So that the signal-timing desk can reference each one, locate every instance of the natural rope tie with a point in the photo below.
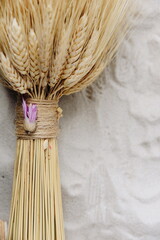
(47, 122)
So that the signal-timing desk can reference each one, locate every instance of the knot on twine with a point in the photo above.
(46, 124)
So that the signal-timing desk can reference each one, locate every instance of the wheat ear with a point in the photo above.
(86, 81)
(47, 43)
(76, 47)
(18, 47)
(60, 58)
(19, 51)
(34, 56)
(86, 63)
(13, 77)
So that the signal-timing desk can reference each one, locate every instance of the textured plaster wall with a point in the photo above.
(109, 144)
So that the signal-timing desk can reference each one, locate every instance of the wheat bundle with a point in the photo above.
(48, 49)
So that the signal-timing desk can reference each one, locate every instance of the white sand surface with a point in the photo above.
(109, 144)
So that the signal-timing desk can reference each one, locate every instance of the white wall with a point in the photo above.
(109, 144)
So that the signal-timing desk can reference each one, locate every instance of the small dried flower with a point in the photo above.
(30, 116)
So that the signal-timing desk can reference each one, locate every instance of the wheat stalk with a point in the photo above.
(3, 233)
(37, 215)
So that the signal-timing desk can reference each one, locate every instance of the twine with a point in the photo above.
(47, 123)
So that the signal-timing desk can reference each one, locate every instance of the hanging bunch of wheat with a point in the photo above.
(48, 49)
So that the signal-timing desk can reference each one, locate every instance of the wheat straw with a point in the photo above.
(42, 203)
(48, 49)
(3, 228)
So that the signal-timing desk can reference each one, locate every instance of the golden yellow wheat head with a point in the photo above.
(50, 48)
